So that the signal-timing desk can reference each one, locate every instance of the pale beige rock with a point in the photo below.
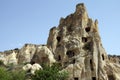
(76, 44)
(9, 57)
(26, 53)
(43, 56)
(32, 68)
(35, 67)
(27, 67)
(114, 59)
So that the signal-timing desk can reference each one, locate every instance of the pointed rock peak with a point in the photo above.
(80, 8)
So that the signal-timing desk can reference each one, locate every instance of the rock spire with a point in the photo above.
(76, 44)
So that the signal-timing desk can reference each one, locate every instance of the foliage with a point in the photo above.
(18, 75)
(1, 63)
(4, 74)
(50, 73)
(11, 75)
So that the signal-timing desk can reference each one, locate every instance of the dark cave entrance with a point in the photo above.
(76, 78)
(91, 65)
(103, 57)
(70, 54)
(93, 78)
(58, 38)
(87, 29)
(84, 39)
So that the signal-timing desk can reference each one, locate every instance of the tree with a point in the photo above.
(4, 74)
(11, 75)
(50, 73)
(18, 75)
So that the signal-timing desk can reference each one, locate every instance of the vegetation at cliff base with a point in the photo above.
(11, 75)
(50, 73)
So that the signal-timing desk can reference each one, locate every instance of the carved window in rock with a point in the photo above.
(111, 77)
(91, 65)
(76, 78)
(58, 38)
(103, 58)
(73, 61)
(87, 29)
(59, 58)
(70, 54)
(93, 78)
(84, 39)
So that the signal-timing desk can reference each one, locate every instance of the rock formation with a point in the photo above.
(114, 59)
(26, 53)
(43, 55)
(9, 56)
(76, 45)
(29, 53)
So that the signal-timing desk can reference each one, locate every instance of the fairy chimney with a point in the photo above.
(76, 44)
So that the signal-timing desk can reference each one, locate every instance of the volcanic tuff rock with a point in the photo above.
(114, 59)
(29, 53)
(76, 45)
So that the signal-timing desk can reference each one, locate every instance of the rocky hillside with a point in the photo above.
(76, 44)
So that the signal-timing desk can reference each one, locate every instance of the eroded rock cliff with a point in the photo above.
(76, 45)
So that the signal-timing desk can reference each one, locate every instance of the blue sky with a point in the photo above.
(29, 21)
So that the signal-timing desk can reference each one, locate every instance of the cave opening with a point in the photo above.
(87, 29)
(103, 57)
(76, 78)
(91, 65)
(70, 54)
(58, 38)
(93, 78)
(84, 39)
(59, 57)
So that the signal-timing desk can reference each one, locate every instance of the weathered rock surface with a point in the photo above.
(9, 57)
(29, 53)
(114, 59)
(43, 55)
(76, 45)
(26, 53)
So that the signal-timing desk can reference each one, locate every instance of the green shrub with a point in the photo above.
(11, 75)
(1, 63)
(17, 75)
(50, 73)
(4, 74)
